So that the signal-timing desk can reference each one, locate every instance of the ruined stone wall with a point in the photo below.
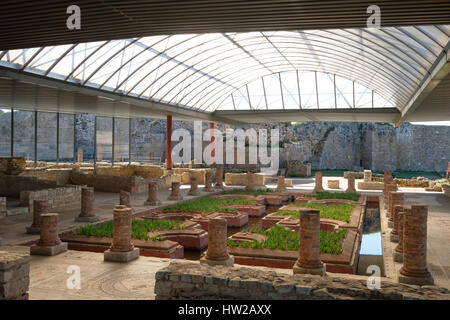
(200, 281)
(326, 145)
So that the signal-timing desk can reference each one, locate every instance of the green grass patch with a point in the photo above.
(282, 238)
(208, 204)
(326, 195)
(139, 228)
(248, 192)
(442, 182)
(342, 211)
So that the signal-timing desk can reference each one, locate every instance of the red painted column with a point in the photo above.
(211, 128)
(169, 142)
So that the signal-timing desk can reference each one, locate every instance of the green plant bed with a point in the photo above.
(326, 195)
(342, 211)
(208, 204)
(248, 192)
(140, 228)
(282, 238)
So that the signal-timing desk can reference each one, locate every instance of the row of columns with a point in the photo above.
(409, 231)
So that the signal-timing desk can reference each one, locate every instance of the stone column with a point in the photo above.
(169, 142)
(390, 187)
(414, 269)
(398, 251)
(350, 183)
(367, 175)
(251, 185)
(281, 186)
(122, 249)
(208, 182)
(175, 192)
(80, 155)
(395, 214)
(194, 187)
(318, 186)
(309, 258)
(152, 198)
(49, 243)
(87, 206)
(395, 198)
(217, 253)
(387, 179)
(39, 207)
(219, 176)
(125, 198)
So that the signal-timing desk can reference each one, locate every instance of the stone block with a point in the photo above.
(227, 263)
(48, 250)
(333, 184)
(121, 256)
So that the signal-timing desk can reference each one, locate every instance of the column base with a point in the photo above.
(398, 256)
(196, 193)
(318, 190)
(218, 187)
(390, 224)
(121, 256)
(33, 230)
(393, 237)
(87, 219)
(315, 271)
(175, 198)
(227, 263)
(208, 190)
(420, 281)
(281, 190)
(152, 203)
(48, 250)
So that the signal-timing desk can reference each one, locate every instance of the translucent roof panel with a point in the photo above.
(339, 68)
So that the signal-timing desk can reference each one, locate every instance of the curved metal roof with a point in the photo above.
(208, 71)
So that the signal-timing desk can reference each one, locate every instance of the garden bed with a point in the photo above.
(282, 252)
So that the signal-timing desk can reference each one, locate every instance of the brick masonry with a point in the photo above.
(14, 276)
(57, 197)
(200, 281)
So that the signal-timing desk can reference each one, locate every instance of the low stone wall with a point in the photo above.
(296, 168)
(106, 183)
(446, 190)
(57, 197)
(200, 281)
(60, 176)
(356, 174)
(407, 183)
(196, 173)
(11, 186)
(240, 179)
(2, 207)
(371, 185)
(12, 165)
(14, 276)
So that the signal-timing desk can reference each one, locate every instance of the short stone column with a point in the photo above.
(390, 187)
(414, 269)
(318, 181)
(350, 183)
(122, 249)
(124, 198)
(152, 198)
(395, 198)
(387, 179)
(194, 187)
(175, 192)
(39, 207)
(87, 206)
(281, 185)
(49, 243)
(217, 253)
(14, 276)
(398, 251)
(309, 258)
(219, 176)
(208, 182)
(393, 236)
(367, 175)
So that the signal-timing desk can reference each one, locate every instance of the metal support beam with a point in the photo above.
(12, 132)
(129, 141)
(113, 141)
(95, 144)
(75, 159)
(57, 137)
